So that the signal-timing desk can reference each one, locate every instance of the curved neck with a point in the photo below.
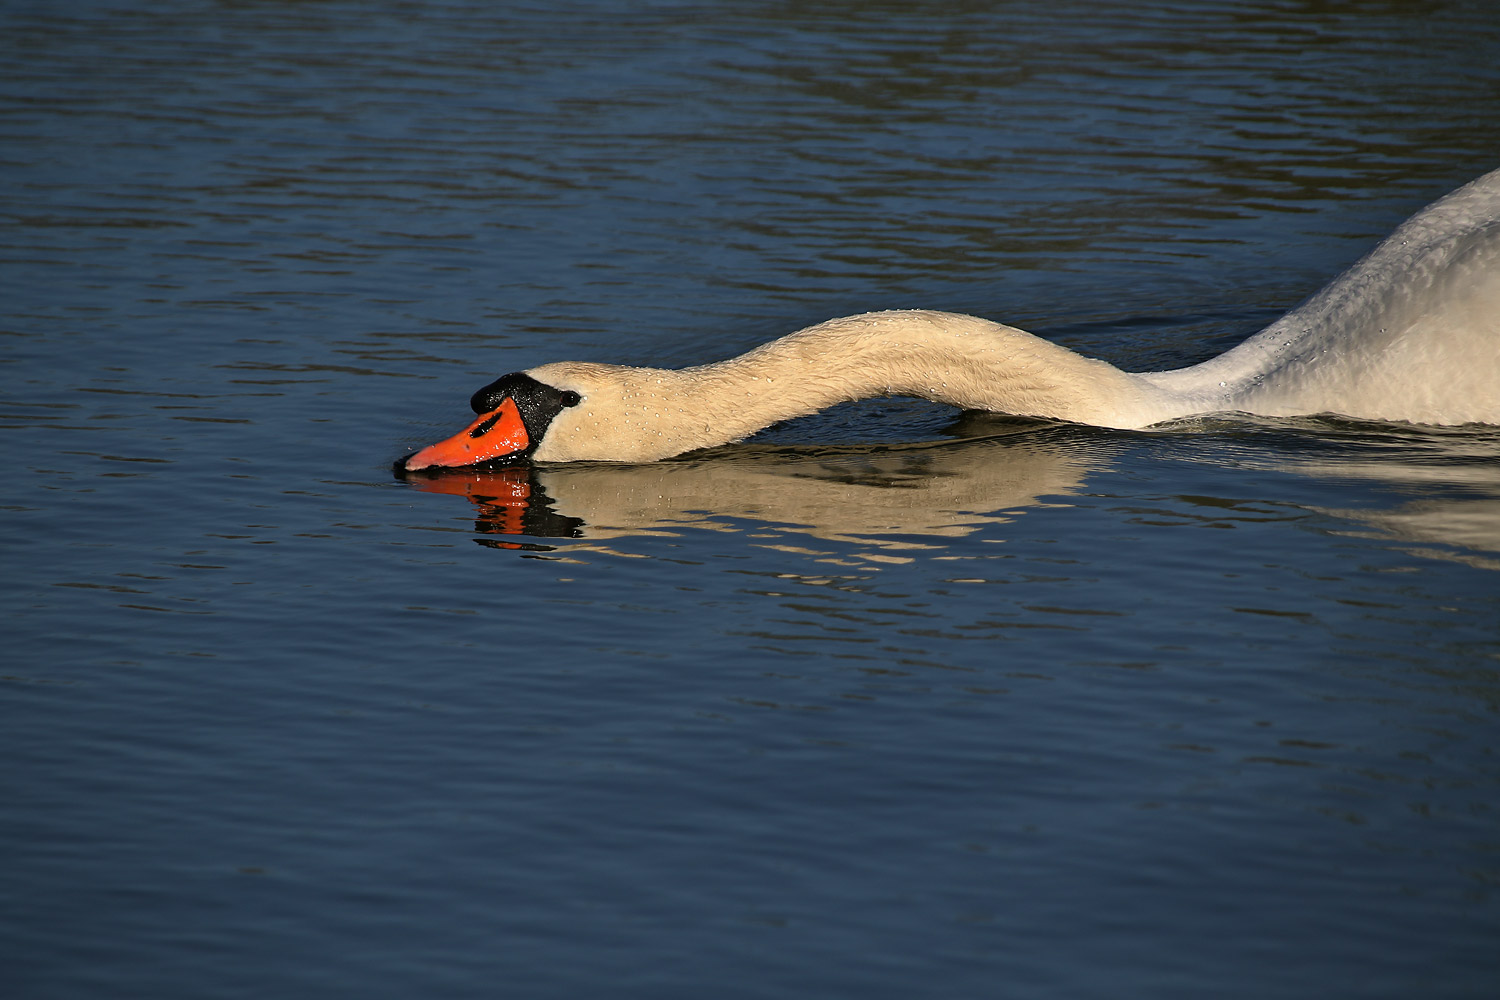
(948, 358)
(958, 360)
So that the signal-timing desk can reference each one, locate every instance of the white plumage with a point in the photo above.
(1411, 332)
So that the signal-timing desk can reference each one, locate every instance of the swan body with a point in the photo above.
(1411, 332)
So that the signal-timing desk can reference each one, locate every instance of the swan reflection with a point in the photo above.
(889, 499)
(887, 496)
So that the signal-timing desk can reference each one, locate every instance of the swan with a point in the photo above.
(1409, 333)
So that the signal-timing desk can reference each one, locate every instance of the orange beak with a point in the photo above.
(493, 436)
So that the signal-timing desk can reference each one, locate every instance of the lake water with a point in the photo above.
(887, 702)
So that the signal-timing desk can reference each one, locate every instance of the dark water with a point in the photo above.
(889, 702)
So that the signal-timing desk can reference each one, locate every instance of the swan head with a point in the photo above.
(515, 412)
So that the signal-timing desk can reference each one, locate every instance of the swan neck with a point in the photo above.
(958, 360)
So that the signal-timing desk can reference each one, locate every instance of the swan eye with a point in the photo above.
(569, 398)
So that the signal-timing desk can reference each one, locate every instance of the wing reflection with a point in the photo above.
(1456, 473)
(1452, 474)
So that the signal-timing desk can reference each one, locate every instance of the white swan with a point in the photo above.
(1411, 332)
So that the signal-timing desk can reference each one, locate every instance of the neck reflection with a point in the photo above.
(925, 492)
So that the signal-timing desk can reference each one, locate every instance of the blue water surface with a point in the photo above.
(887, 702)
